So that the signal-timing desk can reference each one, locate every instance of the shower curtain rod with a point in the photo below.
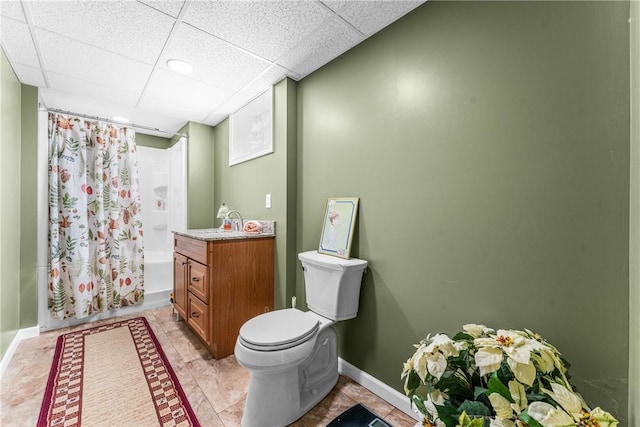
(102, 119)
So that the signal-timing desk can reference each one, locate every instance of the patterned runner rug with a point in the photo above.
(115, 374)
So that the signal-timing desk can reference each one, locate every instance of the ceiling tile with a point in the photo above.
(29, 75)
(267, 28)
(331, 40)
(335, 5)
(270, 77)
(110, 25)
(161, 106)
(371, 16)
(12, 9)
(16, 39)
(195, 95)
(214, 61)
(170, 7)
(92, 90)
(74, 59)
(82, 105)
(103, 57)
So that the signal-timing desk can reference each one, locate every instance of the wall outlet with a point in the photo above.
(267, 201)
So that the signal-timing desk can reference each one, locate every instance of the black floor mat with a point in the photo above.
(358, 416)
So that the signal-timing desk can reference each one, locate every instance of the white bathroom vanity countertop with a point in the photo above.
(267, 230)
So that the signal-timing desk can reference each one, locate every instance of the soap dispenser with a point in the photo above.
(222, 213)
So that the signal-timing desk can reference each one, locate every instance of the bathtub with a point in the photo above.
(158, 277)
(158, 271)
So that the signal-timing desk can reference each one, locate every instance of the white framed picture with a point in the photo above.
(251, 129)
(338, 226)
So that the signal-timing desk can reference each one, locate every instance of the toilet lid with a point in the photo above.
(278, 330)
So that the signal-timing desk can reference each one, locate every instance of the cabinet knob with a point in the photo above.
(184, 263)
(194, 314)
(195, 279)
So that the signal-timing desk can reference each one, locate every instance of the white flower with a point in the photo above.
(434, 398)
(544, 360)
(605, 419)
(499, 422)
(569, 401)
(525, 373)
(525, 354)
(488, 359)
(512, 343)
(519, 395)
(443, 343)
(501, 405)
(431, 358)
(549, 416)
(476, 330)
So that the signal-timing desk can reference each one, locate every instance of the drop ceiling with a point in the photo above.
(109, 58)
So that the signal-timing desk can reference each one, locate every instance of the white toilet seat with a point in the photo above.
(278, 330)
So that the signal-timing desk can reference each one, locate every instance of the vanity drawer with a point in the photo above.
(192, 248)
(199, 281)
(198, 313)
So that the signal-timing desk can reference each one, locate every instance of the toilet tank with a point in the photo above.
(332, 284)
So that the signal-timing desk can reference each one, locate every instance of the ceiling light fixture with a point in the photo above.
(179, 66)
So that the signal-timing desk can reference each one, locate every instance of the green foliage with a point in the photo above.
(125, 235)
(70, 244)
(59, 300)
(125, 176)
(53, 197)
(472, 407)
(481, 375)
(68, 201)
(496, 386)
(448, 415)
(72, 144)
(531, 422)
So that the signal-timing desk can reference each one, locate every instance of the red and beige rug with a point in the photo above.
(115, 374)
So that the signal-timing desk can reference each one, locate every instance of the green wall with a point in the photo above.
(28, 207)
(10, 134)
(489, 144)
(152, 141)
(244, 186)
(200, 175)
(634, 224)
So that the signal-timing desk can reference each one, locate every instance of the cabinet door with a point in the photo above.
(199, 317)
(180, 284)
(199, 280)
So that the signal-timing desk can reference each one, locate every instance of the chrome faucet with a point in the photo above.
(236, 225)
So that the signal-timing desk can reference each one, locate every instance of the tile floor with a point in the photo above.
(215, 388)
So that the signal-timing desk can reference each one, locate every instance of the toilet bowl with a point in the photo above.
(292, 354)
(292, 373)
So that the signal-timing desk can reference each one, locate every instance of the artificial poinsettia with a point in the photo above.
(503, 378)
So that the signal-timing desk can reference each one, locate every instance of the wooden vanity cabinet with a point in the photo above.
(220, 284)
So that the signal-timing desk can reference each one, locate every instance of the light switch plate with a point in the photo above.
(267, 201)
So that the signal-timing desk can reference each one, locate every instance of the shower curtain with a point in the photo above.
(95, 226)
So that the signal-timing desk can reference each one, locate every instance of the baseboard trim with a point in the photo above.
(20, 335)
(377, 387)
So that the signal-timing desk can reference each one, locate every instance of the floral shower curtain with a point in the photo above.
(95, 226)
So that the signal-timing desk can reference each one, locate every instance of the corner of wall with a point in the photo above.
(634, 220)
(9, 204)
(28, 206)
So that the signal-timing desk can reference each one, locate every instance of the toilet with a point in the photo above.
(292, 354)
